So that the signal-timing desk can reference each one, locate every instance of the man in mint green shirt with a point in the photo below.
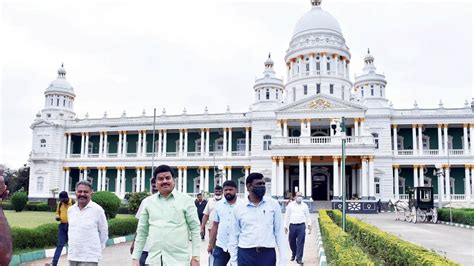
(168, 220)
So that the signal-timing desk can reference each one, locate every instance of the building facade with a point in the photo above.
(291, 134)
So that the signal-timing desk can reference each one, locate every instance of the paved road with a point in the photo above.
(455, 243)
(120, 255)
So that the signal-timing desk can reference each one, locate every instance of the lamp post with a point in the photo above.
(343, 171)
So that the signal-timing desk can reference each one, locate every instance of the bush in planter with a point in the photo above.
(37, 206)
(19, 200)
(461, 216)
(39, 237)
(122, 226)
(135, 199)
(108, 201)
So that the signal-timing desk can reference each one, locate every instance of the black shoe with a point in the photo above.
(292, 258)
(299, 262)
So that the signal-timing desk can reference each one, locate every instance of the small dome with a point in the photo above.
(60, 84)
(317, 19)
(369, 57)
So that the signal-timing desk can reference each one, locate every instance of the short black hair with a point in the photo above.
(229, 183)
(163, 168)
(217, 187)
(253, 176)
(199, 194)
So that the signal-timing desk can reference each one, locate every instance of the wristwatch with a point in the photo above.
(195, 258)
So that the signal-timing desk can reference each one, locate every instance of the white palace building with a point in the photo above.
(286, 135)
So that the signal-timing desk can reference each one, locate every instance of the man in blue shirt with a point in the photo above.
(258, 228)
(222, 225)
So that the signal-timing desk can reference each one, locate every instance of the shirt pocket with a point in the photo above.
(268, 217)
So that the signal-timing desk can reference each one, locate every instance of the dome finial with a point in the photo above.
(62, 72)
(368, 50)
(315, 3)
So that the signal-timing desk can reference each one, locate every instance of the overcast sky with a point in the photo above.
(135, 55)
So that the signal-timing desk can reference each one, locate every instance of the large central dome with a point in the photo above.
(316, 19)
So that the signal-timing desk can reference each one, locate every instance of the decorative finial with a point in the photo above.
(124, 114)
(87, 115)
(206, 110)
(391, 104)
(466, 103)
(415, 104)
(315, 3)
(105, 114)
(228, 109)
(163, 112)
(143, 112)
(441, 105)
(250, 107)
(269, 55)
(184, 111)
(368, 50)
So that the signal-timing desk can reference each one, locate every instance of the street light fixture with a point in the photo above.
(342, 127)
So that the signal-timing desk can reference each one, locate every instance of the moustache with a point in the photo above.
(82, 197)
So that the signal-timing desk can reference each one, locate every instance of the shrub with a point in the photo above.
(338, 245)
(462, 216)
(123, 209)
(19, 200)
(108, 201)
(39, 237)
(135, 199)
(37, 206)
(122, 226)
(387, 247)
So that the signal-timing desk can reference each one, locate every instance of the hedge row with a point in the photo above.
(387, 247)
(45, 235)
(338, 245)
(460, 216)
(30, 206)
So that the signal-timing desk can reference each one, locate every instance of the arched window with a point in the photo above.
(43, 143)
(40, 184)
(267, 142)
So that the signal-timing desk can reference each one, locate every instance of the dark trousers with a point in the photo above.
(296, 239)
(220, 257)
(62, 239)
(256, 256)
(143, 258)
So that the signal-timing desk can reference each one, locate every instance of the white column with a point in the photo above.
(413, 135)
(139, 144)
(86, 147)
(229, 172)
(281, 176)
(201, 178)
(206, 178)
(362, 125)
(138, 179)
(119, 147)
(415, 175)
(421, 176)
(302, 130)
(144, 146)
(353, 181)
(104, 178)
(446, 147)
(180, 143)
(165, 139)
(335, 181)
(224, 142)
(184, 187)
(280, 127)
(117, 181)
(208, 140)
(336, 64)
(82, 144)
(301, 174)
(229, 150)
(348, 69)
(66, 179)
(395, 140)
(274, 176)
(287, 180)
(308, 126)
(160, 143)
(180, 179)
(441, 186)
(447, 182)
(99, 178)
(471, 131)
(122, 183)
(359, 179)
(125, 146)
(440, 140)
(247, 141)
(68, 148)
(356, 127)
(309, 179)
(285, 128)
(247, 172)
(365, 179)
(371, 178)
(185, 148)
(472, 180)
(465, 135)
(467, 183)
(101, 143)
(396, 181)
(420, 139)
(203, 143)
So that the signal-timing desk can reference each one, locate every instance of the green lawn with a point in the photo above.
(31, 219)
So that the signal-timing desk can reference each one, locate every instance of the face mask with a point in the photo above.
(218, 197)
(229, 197)
(299, 199)
(259, 191)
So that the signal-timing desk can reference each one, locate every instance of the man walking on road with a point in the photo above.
(200, 206)
(258, 228)
(209, 210)
(222, 222)
(297, 218)
(168, 220)
(61, 216)
(88, 230)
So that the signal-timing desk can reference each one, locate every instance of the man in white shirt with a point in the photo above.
(88, 229)
(209, 210)
(296, 220)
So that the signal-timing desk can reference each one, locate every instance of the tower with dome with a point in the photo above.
(286, 135)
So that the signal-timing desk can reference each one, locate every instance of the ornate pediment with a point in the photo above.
(321, 103)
